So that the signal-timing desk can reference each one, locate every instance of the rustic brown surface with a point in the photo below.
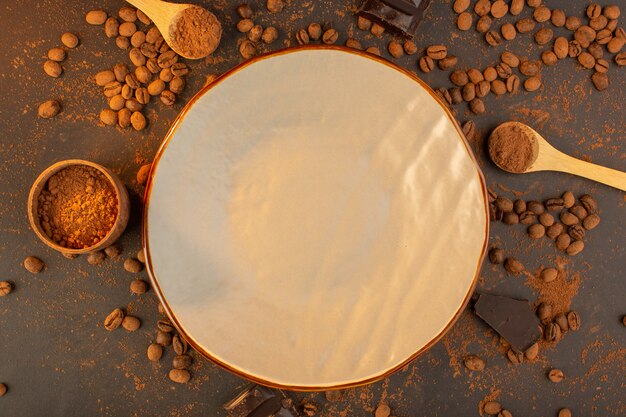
(58, 360)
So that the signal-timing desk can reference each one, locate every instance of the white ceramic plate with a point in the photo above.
(315, 219)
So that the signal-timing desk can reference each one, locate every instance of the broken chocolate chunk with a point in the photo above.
(399, 16)
(513, 319)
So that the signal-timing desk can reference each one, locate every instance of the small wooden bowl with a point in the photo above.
(123, 212)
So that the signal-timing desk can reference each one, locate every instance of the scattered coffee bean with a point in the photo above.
(382, 410)
(586, 60)
(437, 52)
(584, 35)
(556, 375)
(544, 312)
(552, 332)
(427, 64)
(114, 319)
(468, 92)
(244, 25)
(561, 47)
(168, 98)
(527, 217)
(573, 320)
(396, 49)
(519, 206)
(131, 323)
(563, 241)
(113, 251)
(574, 49)
(5, 288)
(179, 344)
(590, 222)
(133, 265)
(96, 258)
(513, 266)
(469, 127)
(492, 407)
(546, 219)
(525, 25)
(270, 34)
(577, 232)
(568, 218)
(143, 174)
(542, 14)
(477, 106)
(516, 7)
(3, 389)
(48, 109)
(53, 69)
(578, 211)
(163, 338)
(464, 21)
(600, 81)
(549, 274)
(508, 31)
(96, 17)
(165, 325)
(458, 77)
(568, 199)
(561, 320)
(33, 264)
(69, 40)
(123, 118)
(498, 87)
(181, 362)
(536, 231)
(410, 48)
(543, 36)
(490, 74)
(565, 412)
(510, 59)
(138, 286)
(244, 11)
(504, 204)
(499, 8)
(155, 352)
(141, 256)
(56, 54)
(575, 247)
(447, 63)
(254, 34)
(482, 7)
(504, 70)
(180, 376)
(474, 363)
(602, 66)
(557, 18)
(493, 38)
(483, 24)
(364, 23)
(108, 117)
(330, 36)
(532, 352)
(515, 357)
(111, 28)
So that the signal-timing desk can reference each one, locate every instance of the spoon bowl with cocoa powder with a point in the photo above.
(191, 31)
(517, 148)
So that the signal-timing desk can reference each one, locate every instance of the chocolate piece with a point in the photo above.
(400, 16)
(513, 319)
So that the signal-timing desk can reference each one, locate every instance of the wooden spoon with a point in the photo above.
(165, 15)
(547, 158)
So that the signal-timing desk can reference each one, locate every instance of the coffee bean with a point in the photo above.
(611, 11)
(179, 344)
(163, 338)
(552, 332)
(598, 23)
(474, 363)
(589, 203)
(33, 264)
(568, 199)
(168, 98)
(554, 204)
(549, 58)
(561, 47)
(568, 218)
(546, 219)
(166, 75)
(269, 35)
(594, 10)
(96, 17)
(152, 35)
(464, 21)
(131, 323)
(492, 407)
(469, 92)
(96, 258)
(624, 320)
(563, 241)
(447, 62)
(504, 70)
(458, 77)
(585, 35)
(573, 320)
(516, 7)
(255, 33)
(561, 320)
(493, 38)
(53, 69)
(556, 375)
(504, 204)
(527, 217)
(554, 231)
(532, 84)
(48, 109)
(600, 81)
(3, 389)
(122, 42)
(180, 376)
(519, 206)
(155, 352)
(133, 265)
(513, 266)
(330, 36)
(477, 106)
(426, 64)
(483, 24)
(127, 29)
(469, 127)
(532, 352)
(574, 49)
(530, 67)
(444, 95)
(143, 75)
(114, 319)
(515, 357)
(69, 40)
(536, 231)
(578, 211)
(482, 88)
(544, 312)
(127, 92)
(586, 60)
(181, 362)
(138, 286)
(111, 27)
(133, 105)
(382, 410)
(138, 121)
(557, 18)
(572, 22)
(612, 26)
(525, 25)
(543, 36)
(167, 59)
(244, 11)
(496, 256)
(244, 25)
(482, 7)
(177, 85)
(498, 87)
(108, 117)
(112, 89)
(508, 31)
(510, 218)
(5, 288)
(549, 274)
(590, 222)
(499, 8)
(510, 59)
(565, 412)
(56, 54)
(460, 5)
(542, 14)
(437, 52)
(490, 74)
(575, 248)
(123, 118)
(457, 97)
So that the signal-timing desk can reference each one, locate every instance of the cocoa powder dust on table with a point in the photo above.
(196, 32)
(77, 207)
(511, 148)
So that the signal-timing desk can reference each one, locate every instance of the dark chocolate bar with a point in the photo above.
(513, 319)
(400, 16)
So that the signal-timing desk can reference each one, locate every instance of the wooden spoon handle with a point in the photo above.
(605, 175)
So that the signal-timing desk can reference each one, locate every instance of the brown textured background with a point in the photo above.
(58, 360)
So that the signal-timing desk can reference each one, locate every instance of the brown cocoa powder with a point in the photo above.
(511, 148)
(196, 32)
(77, 207)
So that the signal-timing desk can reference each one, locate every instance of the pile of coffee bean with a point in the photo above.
(586, 44)
(156, 70)
(249, 45)
(166, 335)
(567, 229)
